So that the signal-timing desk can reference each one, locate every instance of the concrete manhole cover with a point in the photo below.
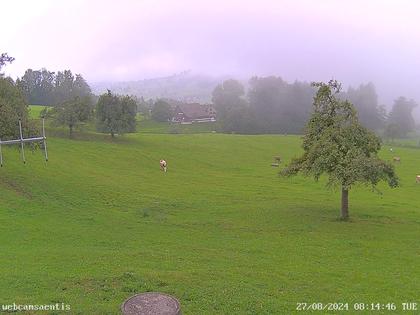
(151, 303)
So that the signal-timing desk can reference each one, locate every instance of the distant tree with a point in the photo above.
(228, 96)
(365, 100)
(401, 115)
(129, 114)
(38, 87)
(280, 107)
(4, 59)
(240, 120)
(64, 86)
(80, 87)
(161, 111)
(336, 143)
(269, 98)
(48, 88)
(231, 106)
(72, 113)
(392, 131)
(12, 108)
(143, 107)
(115, 114)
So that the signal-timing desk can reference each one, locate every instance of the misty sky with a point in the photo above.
(349, 40)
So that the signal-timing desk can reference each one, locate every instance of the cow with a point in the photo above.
(163, 165)
(418, 179)
(396, 159)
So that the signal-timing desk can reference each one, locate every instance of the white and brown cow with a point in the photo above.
(418, 179)
(163, 165)
(396, 159)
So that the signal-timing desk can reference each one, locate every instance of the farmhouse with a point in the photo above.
(188, 113)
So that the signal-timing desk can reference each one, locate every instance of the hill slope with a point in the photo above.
(220, 231)
(185, 86)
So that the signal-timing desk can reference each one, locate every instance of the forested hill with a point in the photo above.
(183, 86)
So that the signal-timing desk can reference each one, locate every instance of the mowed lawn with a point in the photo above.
(221, 230)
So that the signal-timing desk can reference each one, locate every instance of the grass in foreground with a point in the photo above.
(220, 231)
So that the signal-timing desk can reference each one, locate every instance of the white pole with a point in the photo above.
(21, 142)
(45, 138)
(1, 156)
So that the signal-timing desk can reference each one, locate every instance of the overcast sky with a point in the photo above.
(354, 41)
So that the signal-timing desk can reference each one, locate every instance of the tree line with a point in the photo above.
(73, 103)
(112, 114)
(48, 88)
(269, 105)
(272, 105)
(12, 105)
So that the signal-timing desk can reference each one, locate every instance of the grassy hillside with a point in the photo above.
(184, 86)
(220, 231)
(35, 110)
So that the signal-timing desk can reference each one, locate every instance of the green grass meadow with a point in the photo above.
(35, 111)
(221, 231)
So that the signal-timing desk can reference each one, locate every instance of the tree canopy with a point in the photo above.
(115, 114)
(49, 88)
(12, 106)
(400, 120)
(72, 113)
(4, 59)
(365, 100)
(232, 108)
(336, 144)
(161, 111)
(272, 105)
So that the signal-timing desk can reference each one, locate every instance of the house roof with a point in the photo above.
(193, 110)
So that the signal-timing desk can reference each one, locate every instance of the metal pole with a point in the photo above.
(21, 142)
(45, 138)
(1, 156)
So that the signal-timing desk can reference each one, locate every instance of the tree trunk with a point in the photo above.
(71, 131)
(344, 203)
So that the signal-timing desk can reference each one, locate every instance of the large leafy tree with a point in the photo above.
(161, 111)
(4, 59)
(365, 100)
(231, 106)
(401, 115)
(336, 144)
(115, 114)
(72, 113)
(12, 106)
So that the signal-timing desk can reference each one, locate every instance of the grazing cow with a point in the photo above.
(418, 179)
(396, 159)
(163, 165)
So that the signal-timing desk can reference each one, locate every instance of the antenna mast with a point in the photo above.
(23, 140)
